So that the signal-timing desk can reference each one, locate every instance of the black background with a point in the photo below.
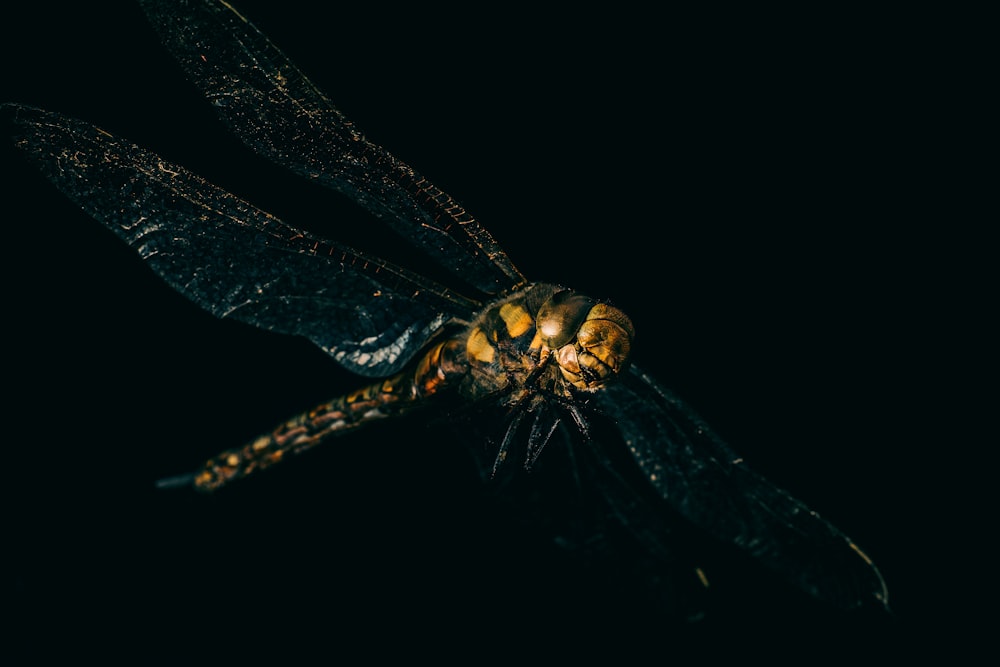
(768, 196)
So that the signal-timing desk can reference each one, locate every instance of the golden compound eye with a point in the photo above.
(599, 353)
(606, 341)
(600, 349)
(560, 317)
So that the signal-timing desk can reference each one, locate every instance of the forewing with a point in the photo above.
(235, 260)
(269, 104)
(704, 481)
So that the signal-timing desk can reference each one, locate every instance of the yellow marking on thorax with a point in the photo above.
(517, 319)
(478, 347)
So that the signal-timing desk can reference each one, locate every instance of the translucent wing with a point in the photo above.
(269, 104)
(583, 496)
(235, 260)
(704, 481)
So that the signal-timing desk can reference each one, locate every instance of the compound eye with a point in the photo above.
(604, 343)
(600, 351)
(560, 317)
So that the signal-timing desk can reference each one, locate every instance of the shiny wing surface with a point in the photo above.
(704, 481)
(272, 107)
(235, 260)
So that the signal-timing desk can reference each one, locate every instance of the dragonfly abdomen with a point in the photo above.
(388, 397)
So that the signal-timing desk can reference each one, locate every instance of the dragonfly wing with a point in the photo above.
(581, 503)
(235, 260)
(704, 481)
(269, 104)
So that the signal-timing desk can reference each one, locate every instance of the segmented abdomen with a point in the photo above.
(389, 397)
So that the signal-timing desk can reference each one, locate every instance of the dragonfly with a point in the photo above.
(552, 367)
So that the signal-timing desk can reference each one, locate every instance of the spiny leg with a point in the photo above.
(541, 433)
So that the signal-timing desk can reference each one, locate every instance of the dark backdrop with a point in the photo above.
(760, 192)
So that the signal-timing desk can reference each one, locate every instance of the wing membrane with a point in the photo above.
(707, 483)
(269, 104)
(235, 260)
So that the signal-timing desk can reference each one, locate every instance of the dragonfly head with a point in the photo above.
(590, 341)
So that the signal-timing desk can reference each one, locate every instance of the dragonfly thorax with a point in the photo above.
(548, 338)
